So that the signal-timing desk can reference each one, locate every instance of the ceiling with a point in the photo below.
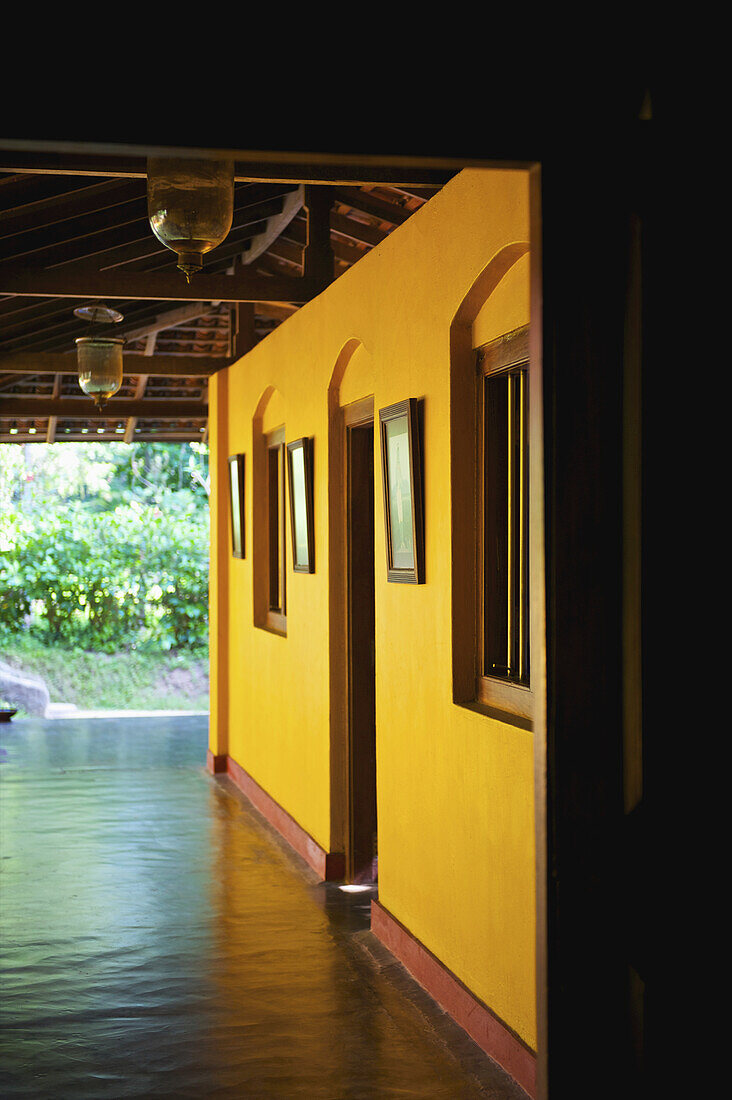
(74, 232)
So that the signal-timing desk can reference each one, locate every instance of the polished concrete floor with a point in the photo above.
(159, 940)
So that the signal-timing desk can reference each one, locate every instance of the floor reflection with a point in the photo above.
(158, 940)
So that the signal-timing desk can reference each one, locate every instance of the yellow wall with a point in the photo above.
(455, 788)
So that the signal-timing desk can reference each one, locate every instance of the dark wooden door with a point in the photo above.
(361, 656)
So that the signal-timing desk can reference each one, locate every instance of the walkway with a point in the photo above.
(158, 940)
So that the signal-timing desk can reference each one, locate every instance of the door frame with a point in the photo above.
(358, 416)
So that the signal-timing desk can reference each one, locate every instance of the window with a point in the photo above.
(502, 673)
(236, 504)
(275, 504)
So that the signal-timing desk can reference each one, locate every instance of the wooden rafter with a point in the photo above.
(184, 366)
(55, 208)
(355, 230)
(75, 408)
(74, 229)
(160, 286)
(290, 244)
(159, 434)
(275, 226)
(88, 159)
(169, 319)
(359, 200)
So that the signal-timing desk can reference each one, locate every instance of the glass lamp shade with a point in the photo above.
(190, 205)
(99, 362)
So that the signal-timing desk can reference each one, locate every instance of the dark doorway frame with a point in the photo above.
(596, 322)
(358, 426)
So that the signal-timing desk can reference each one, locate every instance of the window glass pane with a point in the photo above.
(505, 541)
(400, 497)
(299, 506)
(273, 459)
(521, 528)
(235, 516)
(496, 566)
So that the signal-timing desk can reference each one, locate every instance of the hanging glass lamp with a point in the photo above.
(190, 205)
(99, 357)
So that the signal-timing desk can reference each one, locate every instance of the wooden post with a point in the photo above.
(53, 420)
(591, 967)
(140, 388)
(318, 254)
(243, 335)
(219, 573)
(243, 339)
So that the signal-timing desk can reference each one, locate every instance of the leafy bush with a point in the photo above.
(128, 578)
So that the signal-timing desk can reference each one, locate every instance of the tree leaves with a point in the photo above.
(133, 577)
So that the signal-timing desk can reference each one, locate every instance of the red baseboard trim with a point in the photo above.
(329, 866)
(483, 1026)
(215, 764)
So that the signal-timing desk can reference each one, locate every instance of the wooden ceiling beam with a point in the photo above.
(369, 204)
(78, 408)
(356, 231)
(133, 363)
(128, 241)
(286, 249)
(274, 226)
(275, 312)
(156, 285)
(75, 203)
(422, 193)
(140, 320)
(88, 234)
(292, 241)
(141, 436)
(27, 157)
(170, 319)
(51, 326)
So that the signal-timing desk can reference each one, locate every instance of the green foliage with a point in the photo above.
(105, 552)
(106, 581)
(101, 476)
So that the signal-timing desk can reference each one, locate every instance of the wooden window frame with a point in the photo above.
(507, 355)
(276, 558)
(304, 444)
(410, 410)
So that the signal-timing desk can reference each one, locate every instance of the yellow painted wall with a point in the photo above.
(455, 788)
